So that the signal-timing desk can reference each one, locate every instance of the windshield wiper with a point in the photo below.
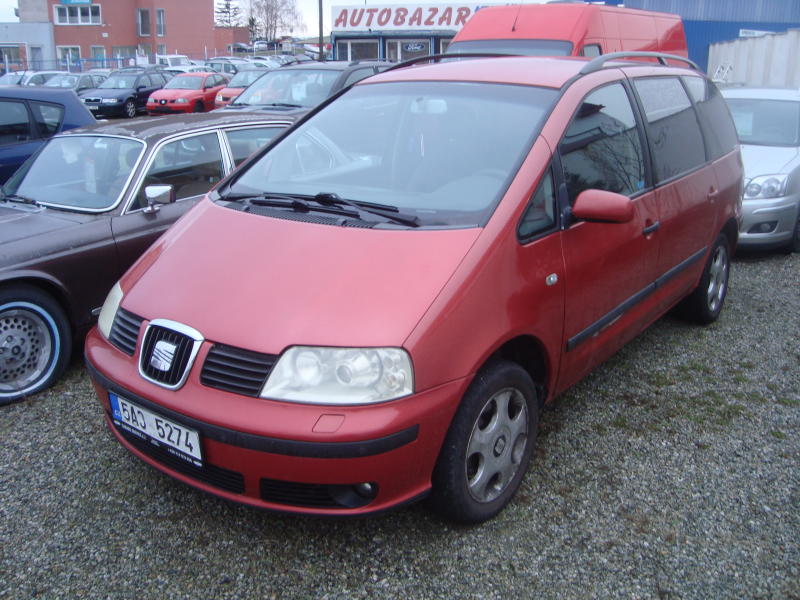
(282, 104)
(296, 203)
(391, 213)
(18, 198)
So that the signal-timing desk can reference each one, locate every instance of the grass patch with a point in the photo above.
(620, 422)
(778, 435)
(790, 402)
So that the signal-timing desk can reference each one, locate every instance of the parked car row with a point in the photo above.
(214, 359)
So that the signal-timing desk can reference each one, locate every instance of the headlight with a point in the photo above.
(766, 186)
(340, 375)
(110, 101)
(181, 101)
(109, 310)
(152, 99)
(219, 97)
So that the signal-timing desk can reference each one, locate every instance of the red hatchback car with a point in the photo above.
(187, 92)
(376, 307)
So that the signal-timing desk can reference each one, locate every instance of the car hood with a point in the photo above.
(264, 284)
(768, 160)
(26, 221)
(106, 93)
(163, 94)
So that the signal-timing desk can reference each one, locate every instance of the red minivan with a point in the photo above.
(376, 307)
(569, 30)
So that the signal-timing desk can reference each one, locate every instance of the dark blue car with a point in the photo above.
(30, 115)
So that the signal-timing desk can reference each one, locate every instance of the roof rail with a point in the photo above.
(600, 62)
(438, 57)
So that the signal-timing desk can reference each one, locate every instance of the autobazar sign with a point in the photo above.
(402, 16)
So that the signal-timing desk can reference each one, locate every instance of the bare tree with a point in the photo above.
(277, 16)
(227, 13)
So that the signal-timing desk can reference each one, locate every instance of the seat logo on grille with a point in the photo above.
(162, 356)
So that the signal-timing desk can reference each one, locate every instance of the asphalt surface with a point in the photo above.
(672, 471)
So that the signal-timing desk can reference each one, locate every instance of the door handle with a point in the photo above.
(712, 194)
(651, 228)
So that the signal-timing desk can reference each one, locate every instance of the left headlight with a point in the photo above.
(766, 186)
(110, 101)
(109, 310)
(340, 376)
(181, 101)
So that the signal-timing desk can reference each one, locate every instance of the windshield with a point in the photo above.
(766, 122)
(192, 82)
(443, 152)
(245, 78)
(118, 82)
(303, 87)
(62, 81)
(78, 172)
(10, 79)
(517, 47)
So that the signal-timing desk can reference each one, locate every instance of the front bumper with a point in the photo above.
(282, 456)
(780, 213)
(168, 109)
(106, 110)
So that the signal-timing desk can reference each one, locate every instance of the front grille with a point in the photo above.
(125, 331)
(224, 479)
(173, 353)
(313, 495)
(91, 100)
(236, 370)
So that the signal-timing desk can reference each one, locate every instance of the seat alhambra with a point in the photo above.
(376, 307)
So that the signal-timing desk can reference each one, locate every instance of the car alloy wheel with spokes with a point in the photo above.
(35, 342)
(130, 109)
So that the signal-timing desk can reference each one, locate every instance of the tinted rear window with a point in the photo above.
(715, 119)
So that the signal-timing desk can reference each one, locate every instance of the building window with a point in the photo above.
(357, 50)
(99, 52)
(78, 15)
(399, 50)
(69, 55)
(161, 22)
(143, 21)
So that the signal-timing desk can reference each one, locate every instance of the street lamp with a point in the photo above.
(321, 49)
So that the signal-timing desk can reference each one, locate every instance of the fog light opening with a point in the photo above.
(764, 227)
(366, 490)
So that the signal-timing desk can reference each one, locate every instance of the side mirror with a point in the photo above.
(156, 195)
(606, 207)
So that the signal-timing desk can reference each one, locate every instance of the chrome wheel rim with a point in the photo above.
(717, 279)
(496, 445)
(26, 349)
(130, 109)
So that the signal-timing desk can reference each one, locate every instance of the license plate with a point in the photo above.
(177, 439)
(90, 107)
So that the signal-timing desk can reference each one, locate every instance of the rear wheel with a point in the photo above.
(35, 342)
(130, 109)
(488, 446)
(705, 303)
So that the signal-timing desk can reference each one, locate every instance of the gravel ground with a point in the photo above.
(673, 471)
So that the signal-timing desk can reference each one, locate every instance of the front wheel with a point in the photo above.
(35, 342)
(794, 243)
(488, 446)
(130, 109)
(705, 303)
(198, 107)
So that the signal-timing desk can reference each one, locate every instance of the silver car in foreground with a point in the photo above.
(768, 124)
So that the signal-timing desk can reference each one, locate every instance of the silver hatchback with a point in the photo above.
(768, 124)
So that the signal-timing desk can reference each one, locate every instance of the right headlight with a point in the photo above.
(766, 186)
(340, 376)
(109, 310)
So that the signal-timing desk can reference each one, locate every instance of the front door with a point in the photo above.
(609, 267)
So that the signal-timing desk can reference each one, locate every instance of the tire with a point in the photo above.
(794, 243)
(130, 109)
(198, 107)
(705, 303)
(35, 342)
(488, 446)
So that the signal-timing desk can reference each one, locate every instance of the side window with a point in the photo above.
(674, 133)
(715, 121)
(591, 50)
(358, 75)
(540, 214)
(191, 165)
(48, 117)
(244, 142)
(14, 123)
(602, 148)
